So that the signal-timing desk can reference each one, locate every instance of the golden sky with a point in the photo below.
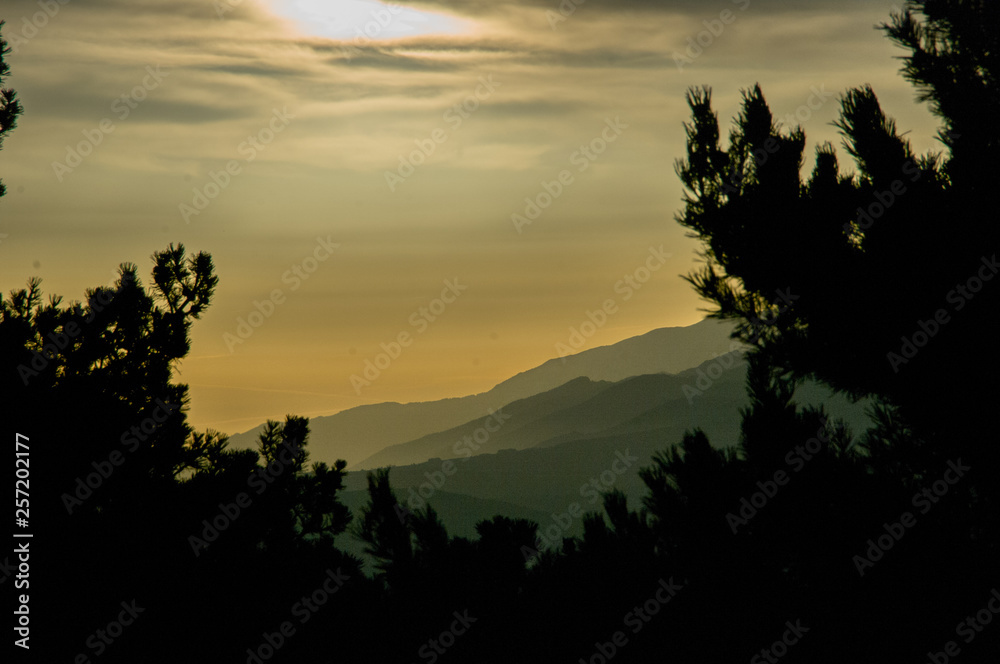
(368, 166)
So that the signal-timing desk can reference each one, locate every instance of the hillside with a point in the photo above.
(358, 433)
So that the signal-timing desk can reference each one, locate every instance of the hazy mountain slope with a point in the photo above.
(358, 433)
(547, 479)
(715, 411)
(503, 425)
(554, 480)
(568, 469)
(640, 414)
(665, 350)
(579, 409)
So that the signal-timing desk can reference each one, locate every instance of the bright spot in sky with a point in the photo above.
(365, 19)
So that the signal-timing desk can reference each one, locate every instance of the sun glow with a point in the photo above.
(366, 19)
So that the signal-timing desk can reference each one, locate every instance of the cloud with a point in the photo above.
(486, 7)
(355, 113)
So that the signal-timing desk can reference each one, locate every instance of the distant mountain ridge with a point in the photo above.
(358, 433)
(635, 417)
(579, 409)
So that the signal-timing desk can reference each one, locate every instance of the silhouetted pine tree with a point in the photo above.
(10, 105)
(829, 274)
(840, 278)
(129, 503)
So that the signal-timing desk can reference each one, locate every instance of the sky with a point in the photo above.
(442, 194)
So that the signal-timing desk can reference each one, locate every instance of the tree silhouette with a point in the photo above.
(223, 544)
(879, 282)
(954, 63)
(148, 507)
(830, 275)
(10, 106)
(384, 528)
(864, 281)
(108, 361)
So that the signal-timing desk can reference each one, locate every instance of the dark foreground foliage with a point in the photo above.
(872, 546)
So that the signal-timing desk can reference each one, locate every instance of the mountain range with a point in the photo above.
(554, 437)
(358, 433)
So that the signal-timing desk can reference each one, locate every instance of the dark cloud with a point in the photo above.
(84, 104)
(252, 70)
(385, 59)
(214, 10)
(485, 7)
(482, 53)
(351, 91)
